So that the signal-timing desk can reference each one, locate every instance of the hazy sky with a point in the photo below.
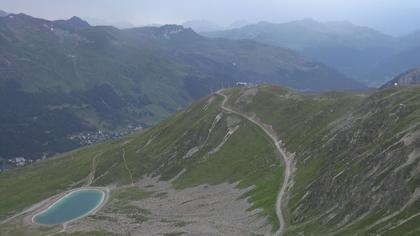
(390, 16)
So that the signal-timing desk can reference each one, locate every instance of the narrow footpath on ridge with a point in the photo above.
(285, 158)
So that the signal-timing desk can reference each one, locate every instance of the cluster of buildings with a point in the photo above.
(89, 138)
(19, 161)
(83, 139)
(14, 162)
(244, 84)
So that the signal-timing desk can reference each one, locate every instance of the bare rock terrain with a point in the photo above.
(202, 210)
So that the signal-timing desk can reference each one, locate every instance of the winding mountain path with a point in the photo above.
(286, 159)
(91, 176)
(126, 167)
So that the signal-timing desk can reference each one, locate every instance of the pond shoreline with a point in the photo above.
(48, 203)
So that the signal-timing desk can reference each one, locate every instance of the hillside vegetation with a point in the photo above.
(355, 161)
(205, 144)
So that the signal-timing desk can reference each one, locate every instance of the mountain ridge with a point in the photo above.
(337, 142)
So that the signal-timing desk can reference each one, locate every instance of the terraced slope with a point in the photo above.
(212, 170)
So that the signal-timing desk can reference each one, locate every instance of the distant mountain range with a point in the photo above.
(359, 52)
(61, 78)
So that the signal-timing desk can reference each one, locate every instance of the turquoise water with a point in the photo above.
(70, 207)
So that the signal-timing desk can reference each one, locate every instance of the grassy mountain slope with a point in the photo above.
(356, 160)
(355, 157)
(211, 146)
(105, 78)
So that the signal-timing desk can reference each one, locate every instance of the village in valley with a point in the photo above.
(81, 139)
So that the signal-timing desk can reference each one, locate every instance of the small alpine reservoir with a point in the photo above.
(72, 206)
